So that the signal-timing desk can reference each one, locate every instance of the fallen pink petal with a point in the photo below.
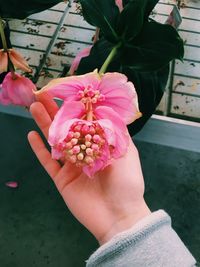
(12, 184)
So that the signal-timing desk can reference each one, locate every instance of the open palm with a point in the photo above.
(108, 203)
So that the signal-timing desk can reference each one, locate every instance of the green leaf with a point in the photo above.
(149, 7)
(23, 8)
(149, 86)
(102, 14)
(97, 57)
(131, 19)
(154, 48)
(150, 89)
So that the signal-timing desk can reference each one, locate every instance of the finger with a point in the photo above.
(49, 104)
(41, 117)
(43, 155)
(68, 173)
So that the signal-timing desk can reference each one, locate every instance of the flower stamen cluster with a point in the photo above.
(90, 95)
(83, 144)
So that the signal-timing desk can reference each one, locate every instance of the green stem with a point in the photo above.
(109, 59)
(2, 34)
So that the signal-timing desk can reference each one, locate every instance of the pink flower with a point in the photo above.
(93, 90)
(83, 53)
(89, 144)
(18, 91)
(119, 3)
(17, 60)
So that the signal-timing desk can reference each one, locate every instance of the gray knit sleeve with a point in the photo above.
(151, 242)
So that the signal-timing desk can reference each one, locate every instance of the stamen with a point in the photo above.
(68, 145)
(83, 147)
(72, 159)
(80, 156)
(92, 130)
(95, 147)
(89, 160)
(77, 134)
(85, 129)
(74, 141)
(70, 135)
(84, 143)
(88, 137)
(76, 149)
(89, 152)
(88, 144)
(96, 138)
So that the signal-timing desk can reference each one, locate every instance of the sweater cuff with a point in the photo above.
(137, 239)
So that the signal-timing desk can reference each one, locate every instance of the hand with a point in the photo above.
(109, 203)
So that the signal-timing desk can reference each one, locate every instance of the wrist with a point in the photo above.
(124, 221)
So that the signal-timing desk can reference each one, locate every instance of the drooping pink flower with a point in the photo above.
(17, 60)
(83, 53)
(18, 91)
(89, 144)
(119, 3)
(111, 90)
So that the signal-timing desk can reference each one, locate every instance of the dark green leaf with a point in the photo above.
(149, 7)
(131, 19)
(23, 8)
(102, 14)
(150, 88)
(98, 55)
(154, 48)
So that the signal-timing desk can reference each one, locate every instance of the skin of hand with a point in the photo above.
(109, 203)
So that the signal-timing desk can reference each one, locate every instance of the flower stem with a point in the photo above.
(89, 110)
(109, 59)
(2, 34)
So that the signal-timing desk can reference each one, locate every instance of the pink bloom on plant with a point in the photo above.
(119, 3)
(83, 53)
(17, 60)
(110, 90)
(89, 144)
(18, 91)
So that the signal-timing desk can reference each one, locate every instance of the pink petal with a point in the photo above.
(83, 53)
(18, 61)
(120, 140)
(119, 3)
(99, 164)
(65, 117)
(12, 184)
(120, 95)
(3, 61)
(68, 88)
